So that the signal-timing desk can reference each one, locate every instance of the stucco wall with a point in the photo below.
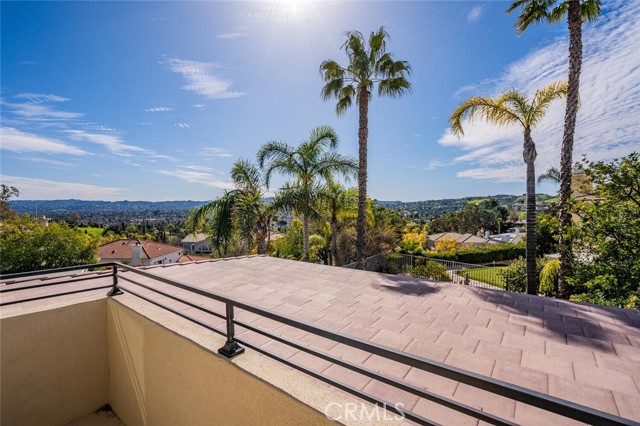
(53, 365)
(161, 378)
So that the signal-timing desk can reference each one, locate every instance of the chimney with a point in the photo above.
(136, 254)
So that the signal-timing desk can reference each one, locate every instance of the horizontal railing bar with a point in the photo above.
(185, 316)
(446, 402)
(54, 295)
(546, 402)
(360, 394)
(56, 270)
(8, 289)
(193, 305)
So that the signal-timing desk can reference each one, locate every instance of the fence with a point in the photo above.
(233, 346)
(486, 276)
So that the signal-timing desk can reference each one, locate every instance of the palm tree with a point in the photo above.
(240, 211)
(552, 175)
(311, 162)
(335, 200)
(514, 108)
(553, 11)
(369, 64)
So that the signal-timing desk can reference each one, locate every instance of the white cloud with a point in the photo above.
(433, 164)
(212, 151)
(49, 162)
(608, 122)
(37, 111)
(112, 142)
(41, 189)
(199, 106)
(475, 13)
(40, 97)
(199, 78)
(18, 141)
(183, 125)
(231, 35)
(159, 109)
(202, 177)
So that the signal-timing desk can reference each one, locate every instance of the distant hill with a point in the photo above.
(62, 208)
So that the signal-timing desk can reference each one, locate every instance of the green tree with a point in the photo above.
(369, 64)
(8, 192)
(335, 201)
(508, 109)
(241, 210)
(26, 245)
(577, 12)
(607, 235)
(313, 162)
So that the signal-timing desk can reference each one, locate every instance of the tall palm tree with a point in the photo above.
(552, 175)
(241, 210)
(577, 12)
(335, 200)
(369, 64)
(312, 162)
(508, 109)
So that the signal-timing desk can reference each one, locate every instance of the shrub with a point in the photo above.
(430, 270)
(515, 275)
(486, 254)
(549, 277)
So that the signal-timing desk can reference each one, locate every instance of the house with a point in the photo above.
(139, 252)
(461, 239)
(196, 243)
(192, 258)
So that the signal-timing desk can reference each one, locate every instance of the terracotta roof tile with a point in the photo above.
(121, 249)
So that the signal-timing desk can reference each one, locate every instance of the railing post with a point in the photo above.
(115, 290)
(231, 348)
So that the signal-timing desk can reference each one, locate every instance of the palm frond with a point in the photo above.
(543, 98)
(377, 44)
(245, 175)
(220, 212)
(486, 108)
(323, 137)
(591, 10)
(334, 163)
(394, 87)
(271, 150)
(345, 99)
(551, 175)
(332, 89)
(532, 12)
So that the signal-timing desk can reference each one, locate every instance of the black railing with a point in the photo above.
(232, 348)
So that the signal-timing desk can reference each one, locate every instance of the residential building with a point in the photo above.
(196, 243)
(461, 239)
(138, 252)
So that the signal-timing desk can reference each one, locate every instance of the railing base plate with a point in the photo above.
(231, 349)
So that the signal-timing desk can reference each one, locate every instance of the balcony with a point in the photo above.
(259, 340)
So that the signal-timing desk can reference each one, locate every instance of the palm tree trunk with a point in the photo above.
(529, 155)
(571, 111)
(305, 236)
(363, 133)
(334, 242)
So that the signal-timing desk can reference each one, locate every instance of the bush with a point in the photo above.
(515, 275)
(486, 254)
(549, 277)
(430, 270)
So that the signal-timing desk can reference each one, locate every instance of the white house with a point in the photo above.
(196, 243)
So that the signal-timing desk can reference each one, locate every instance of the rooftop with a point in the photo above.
(582, 353)
(121, 249)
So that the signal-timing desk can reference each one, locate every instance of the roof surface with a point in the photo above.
(582, 353)
(121, 249)
(194, 238)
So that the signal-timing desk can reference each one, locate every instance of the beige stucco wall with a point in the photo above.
(159, 377)
(53, 364)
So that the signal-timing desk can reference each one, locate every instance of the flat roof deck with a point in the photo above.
(582, 353)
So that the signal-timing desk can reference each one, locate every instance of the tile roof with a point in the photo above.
(194, 238)
(121, 249)
(582, 353)
(192, 258)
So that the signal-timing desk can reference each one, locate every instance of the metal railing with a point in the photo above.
(485, 276)
(232, 348)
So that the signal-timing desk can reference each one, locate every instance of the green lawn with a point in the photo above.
(488, 275)
(96, 232)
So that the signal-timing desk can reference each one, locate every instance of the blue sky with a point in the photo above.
(156, 100)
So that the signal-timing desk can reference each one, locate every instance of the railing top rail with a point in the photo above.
(515, 392)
